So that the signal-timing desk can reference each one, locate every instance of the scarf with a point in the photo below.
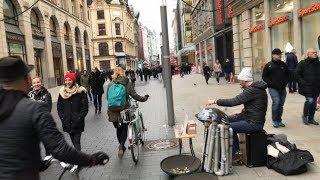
(66, 92)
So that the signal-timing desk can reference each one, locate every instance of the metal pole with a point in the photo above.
(166, 64)
(163, 73)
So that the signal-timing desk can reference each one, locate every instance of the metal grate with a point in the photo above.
(162, 144)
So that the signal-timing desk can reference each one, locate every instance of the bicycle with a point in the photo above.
(73, 169)
(133, 117)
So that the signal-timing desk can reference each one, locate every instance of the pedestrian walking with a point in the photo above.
(40, 93)
(228, 68)
(276, 75)
(84, 80)
(96, 82)
(292, 63)
(217, 70)
(308, 76)
(206, 72)
(119, 78)
(145, 73)
(24, 123)
(72, 108)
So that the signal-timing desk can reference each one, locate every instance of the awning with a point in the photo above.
(120, 54)
(187, 49)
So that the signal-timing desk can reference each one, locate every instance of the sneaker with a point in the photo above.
(281, 124)
(275, 124)
(314, 122)
(305, 120)
(121, 151)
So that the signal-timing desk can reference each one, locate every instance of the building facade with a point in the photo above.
(113, 34)
(54, 36)
(262, 25)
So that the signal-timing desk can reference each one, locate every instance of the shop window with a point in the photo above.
(100, 14)
(53, 30)
(17, 49)
(310, 31)
(34, 19)
(118, 47)
(102, 29)
(77, 35)
(117, 27)
(85, 39)
(66, 31)
(308, 3)
(103, 49)
(280, 8)
(10, 13)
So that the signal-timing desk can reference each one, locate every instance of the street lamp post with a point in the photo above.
(166, 65)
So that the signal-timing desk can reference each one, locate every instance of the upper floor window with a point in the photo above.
(81, 12)
(10, 13)
(53, 30)
(34, 19)
(103, 49)
(118, 47)
(100, 14)
(102, 29)
(66, 32)
(73, 7)
(118, 29)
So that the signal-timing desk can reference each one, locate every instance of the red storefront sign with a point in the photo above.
(309, 10)
(278, 20)
(219, 12)
(256, 28)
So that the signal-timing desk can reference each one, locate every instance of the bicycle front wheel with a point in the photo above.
(134, 144)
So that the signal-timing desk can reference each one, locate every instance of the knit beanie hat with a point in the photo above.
(72, 76)
(245, 74)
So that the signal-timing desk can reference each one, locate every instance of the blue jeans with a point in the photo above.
(310, 107)
(240, 125)
(278, 99)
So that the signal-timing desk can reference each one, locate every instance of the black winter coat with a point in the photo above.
(25, 123)
(255, 101)
(276, 75)
(72, 112)
(291, 61)
(96, 82)
(42, 95)
(308, 76)
(207, 71)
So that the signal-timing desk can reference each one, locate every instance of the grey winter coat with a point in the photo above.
(255, 101)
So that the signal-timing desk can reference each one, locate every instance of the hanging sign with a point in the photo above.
(256, 28)
(309, 10)
(278, 20)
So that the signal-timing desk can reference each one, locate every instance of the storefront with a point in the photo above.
(80, 66)
(281, 23)
(257, 38)
(310, 23)
(210, 54)
(69, 55)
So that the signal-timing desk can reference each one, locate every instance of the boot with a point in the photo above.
(121, 151)
(305, 120)
(100, 110)
(96, 111)
(313, 122)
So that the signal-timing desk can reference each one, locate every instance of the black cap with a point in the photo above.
(277, 51)
(12, 68)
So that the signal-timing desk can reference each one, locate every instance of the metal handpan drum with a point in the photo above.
(180, 164)
(212, 114)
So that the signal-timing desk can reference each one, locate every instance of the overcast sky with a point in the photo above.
(150, 13)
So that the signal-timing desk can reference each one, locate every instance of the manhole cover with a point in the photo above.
(161, 144)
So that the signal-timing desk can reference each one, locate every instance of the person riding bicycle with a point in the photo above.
(119, 78)
(24, 123)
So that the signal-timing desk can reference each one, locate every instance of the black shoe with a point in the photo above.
(99, 110)
(281, 124)
(96, 111)
(313, 122)
(305, 120)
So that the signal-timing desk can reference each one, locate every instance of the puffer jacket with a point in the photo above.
(42, 95)
(308, 76)
(72, 112)
(23, 124)
(115, 116)
(255, 101)
(276, 75)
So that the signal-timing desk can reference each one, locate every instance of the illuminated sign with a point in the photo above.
(256, 28)
(309, 10)
(219, 12)
(278, 20)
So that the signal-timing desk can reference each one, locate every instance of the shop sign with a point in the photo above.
(256, 28)
(219, 12)
(309, 10)
(278, 20)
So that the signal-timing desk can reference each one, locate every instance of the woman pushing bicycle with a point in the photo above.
(118, 92)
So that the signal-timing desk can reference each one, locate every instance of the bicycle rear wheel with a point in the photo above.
(134, 144)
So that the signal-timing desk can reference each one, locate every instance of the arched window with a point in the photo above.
(85, 38)
(103, 49)
(118, 47)
(53, 27)
(66, 31)
(77, 35)
(35, 22)
(10, 13)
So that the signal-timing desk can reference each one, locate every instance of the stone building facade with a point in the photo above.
(262, 25)
(53, 35)
(113, 31)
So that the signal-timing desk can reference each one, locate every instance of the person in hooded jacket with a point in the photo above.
(114, 116)
(72, 108)
(24, 123)
(252, 118)
(292, 63)
(96, 82)
(308, 75)
(40, 93)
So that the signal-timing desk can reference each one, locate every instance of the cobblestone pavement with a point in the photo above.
(191, 93)
(100, 135)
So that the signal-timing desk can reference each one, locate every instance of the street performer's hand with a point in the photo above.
(211, 102)
(147, 96)
(100, 158)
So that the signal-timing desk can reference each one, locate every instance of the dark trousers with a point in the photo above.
(278, 100)
(218, 76)
(146, 78)
(310, 107)
(227, 76)
(240, 125)
(97, 100)
(89, 94)
(292, 82)
(75, 138)
(207, 76)
(122, 132)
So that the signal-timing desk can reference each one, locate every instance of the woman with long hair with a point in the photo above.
(114, 115)
(72, 108)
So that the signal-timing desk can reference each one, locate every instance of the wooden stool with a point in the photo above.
(184, 136)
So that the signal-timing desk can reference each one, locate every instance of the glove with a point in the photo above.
(100, 158)
(147, 96)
